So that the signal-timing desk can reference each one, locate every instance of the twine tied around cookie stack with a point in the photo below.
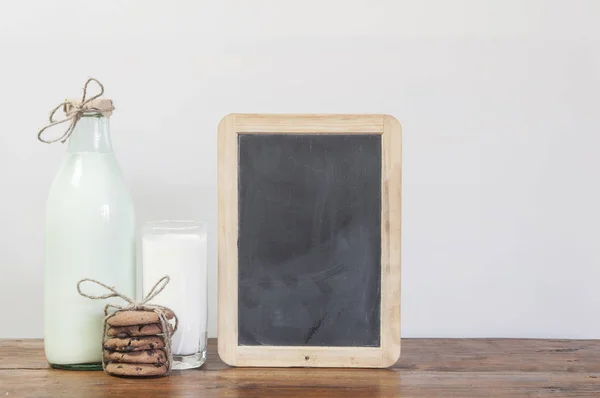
(164, 315)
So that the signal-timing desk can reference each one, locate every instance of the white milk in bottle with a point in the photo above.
(90, 233)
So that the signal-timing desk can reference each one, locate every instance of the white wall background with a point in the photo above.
(499, 103)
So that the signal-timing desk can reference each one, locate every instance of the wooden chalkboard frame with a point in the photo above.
(391, 188)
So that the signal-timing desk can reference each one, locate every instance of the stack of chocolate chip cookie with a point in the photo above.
(135, 345)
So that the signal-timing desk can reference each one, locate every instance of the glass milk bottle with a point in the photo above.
(90, 233)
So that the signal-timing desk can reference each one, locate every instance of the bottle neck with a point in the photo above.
(91, 134)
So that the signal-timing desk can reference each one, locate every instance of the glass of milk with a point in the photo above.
(178, 249)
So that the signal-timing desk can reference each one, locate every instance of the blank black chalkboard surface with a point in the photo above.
(309, 240)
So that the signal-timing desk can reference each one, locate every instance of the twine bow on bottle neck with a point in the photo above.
(74, 110)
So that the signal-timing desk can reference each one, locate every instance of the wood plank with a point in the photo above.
(309, 382)
(359, 357)
(391, 237)
(22, 354)
(307, 124)
(227, 300)
(500, 355)
(429, 355)
(428, 368)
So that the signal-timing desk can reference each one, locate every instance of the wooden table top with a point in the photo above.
(427, 368)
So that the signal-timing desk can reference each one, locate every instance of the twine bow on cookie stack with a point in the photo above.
(163, 313)
(74, 110)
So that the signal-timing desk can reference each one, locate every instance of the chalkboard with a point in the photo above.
(309, 240)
